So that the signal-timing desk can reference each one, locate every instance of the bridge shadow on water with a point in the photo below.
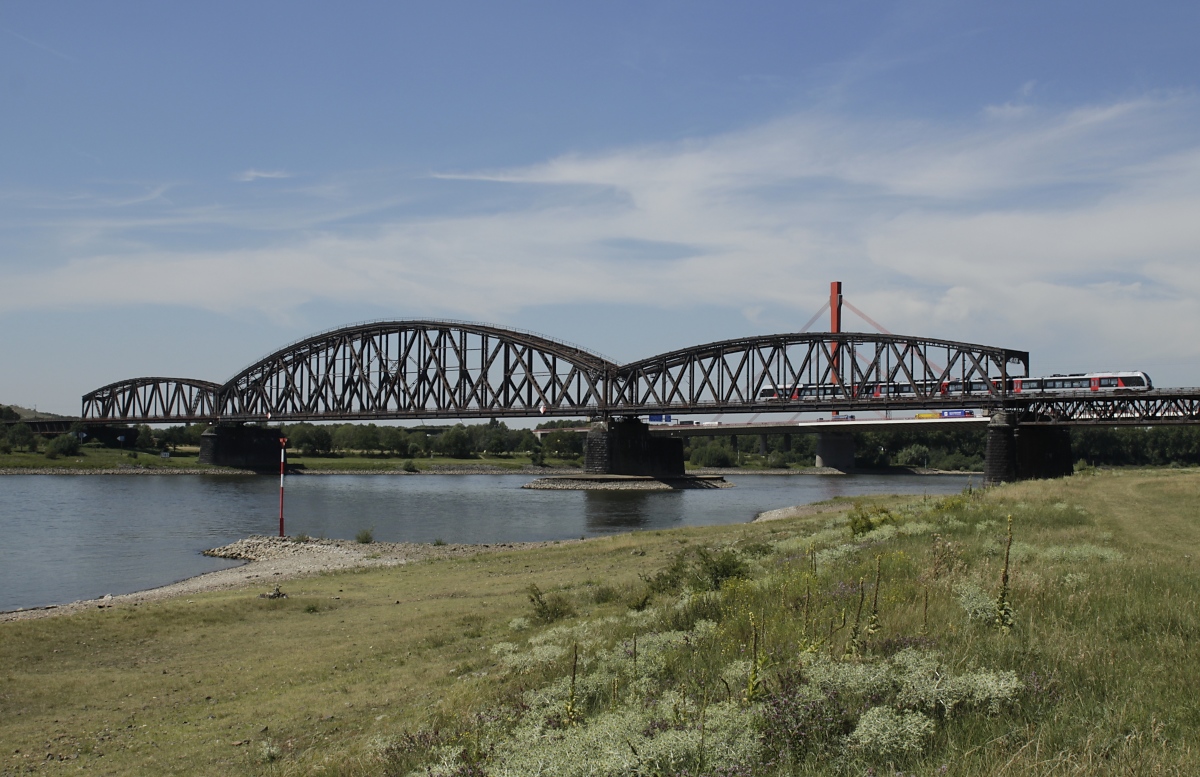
(607, 512)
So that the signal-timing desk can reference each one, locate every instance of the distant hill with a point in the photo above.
(33, 415)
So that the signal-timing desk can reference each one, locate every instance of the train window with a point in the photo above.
(1108, 382)
(1135, 380)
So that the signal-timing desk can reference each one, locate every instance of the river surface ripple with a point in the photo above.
(71, 537)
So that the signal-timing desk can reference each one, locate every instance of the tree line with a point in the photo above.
(948, 449)
(460, 441)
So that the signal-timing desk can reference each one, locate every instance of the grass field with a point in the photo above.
(881, 640)
(97, 458)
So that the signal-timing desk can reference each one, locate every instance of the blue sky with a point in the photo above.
(184, 188)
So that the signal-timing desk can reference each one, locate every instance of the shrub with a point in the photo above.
(884, 733)
(365, 536)
(713, 569)
(21, 436)
(798, 722)
(913, 456)
(62, 445)
(548, 608)
(409, 466)
(603, 594)
(711, 456)
(868, 518)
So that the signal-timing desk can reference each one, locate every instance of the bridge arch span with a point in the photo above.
(419, 369)
(153, 400)
(762, 373)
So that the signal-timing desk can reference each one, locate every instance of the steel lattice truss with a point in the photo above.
(151, 400)
(1161, 406)
(818, 371)
(443, 369)
(419, 369)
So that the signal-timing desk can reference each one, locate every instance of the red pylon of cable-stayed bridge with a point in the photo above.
(835, 303)
(835, 327)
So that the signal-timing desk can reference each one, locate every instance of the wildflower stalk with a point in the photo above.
(753, 682)
(1004, 613)
(873, 621)
(572, 711)
(852, 643)
(807, 598)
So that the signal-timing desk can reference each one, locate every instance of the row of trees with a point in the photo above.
(20, 437)
(460, 441)
(951, 449)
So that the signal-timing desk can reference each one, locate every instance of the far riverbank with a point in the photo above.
(466, 469)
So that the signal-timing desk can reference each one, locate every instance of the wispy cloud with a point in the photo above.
(246, 176)
(41, 46)
(1070, 231)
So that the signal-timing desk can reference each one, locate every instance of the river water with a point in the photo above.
(67, 537)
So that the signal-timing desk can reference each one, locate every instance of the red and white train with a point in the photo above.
(1102, 382)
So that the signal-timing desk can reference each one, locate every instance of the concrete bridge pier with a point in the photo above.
(624, 446)
(1016, 452)
(835, 450)
(244, 447)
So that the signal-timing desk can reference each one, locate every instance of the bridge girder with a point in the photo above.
(1151, 408)
(419, 369)
(153, 400)
(843, 368)
(424, 369)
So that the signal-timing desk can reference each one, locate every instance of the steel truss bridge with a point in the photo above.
(428, 369)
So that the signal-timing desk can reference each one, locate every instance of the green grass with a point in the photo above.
(90, 458)
(446, 664)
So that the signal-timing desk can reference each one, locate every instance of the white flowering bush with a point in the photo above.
(746, 672)
(886, 734)
(979, 607)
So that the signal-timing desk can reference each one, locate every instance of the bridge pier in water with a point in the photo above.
(624, 446)
(835, 450)
(1025, 452)
(244, 447)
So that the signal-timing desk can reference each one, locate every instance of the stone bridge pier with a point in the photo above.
(624, 446)
(835, 450)
(1025, 452)
(244, 447)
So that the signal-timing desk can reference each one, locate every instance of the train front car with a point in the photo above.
(1084, 382)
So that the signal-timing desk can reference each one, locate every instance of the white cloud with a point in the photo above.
(247, 176)
(1071, 233)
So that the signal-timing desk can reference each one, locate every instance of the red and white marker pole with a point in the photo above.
(282, 457)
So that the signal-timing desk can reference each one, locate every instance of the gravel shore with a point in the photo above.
(270, 560)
